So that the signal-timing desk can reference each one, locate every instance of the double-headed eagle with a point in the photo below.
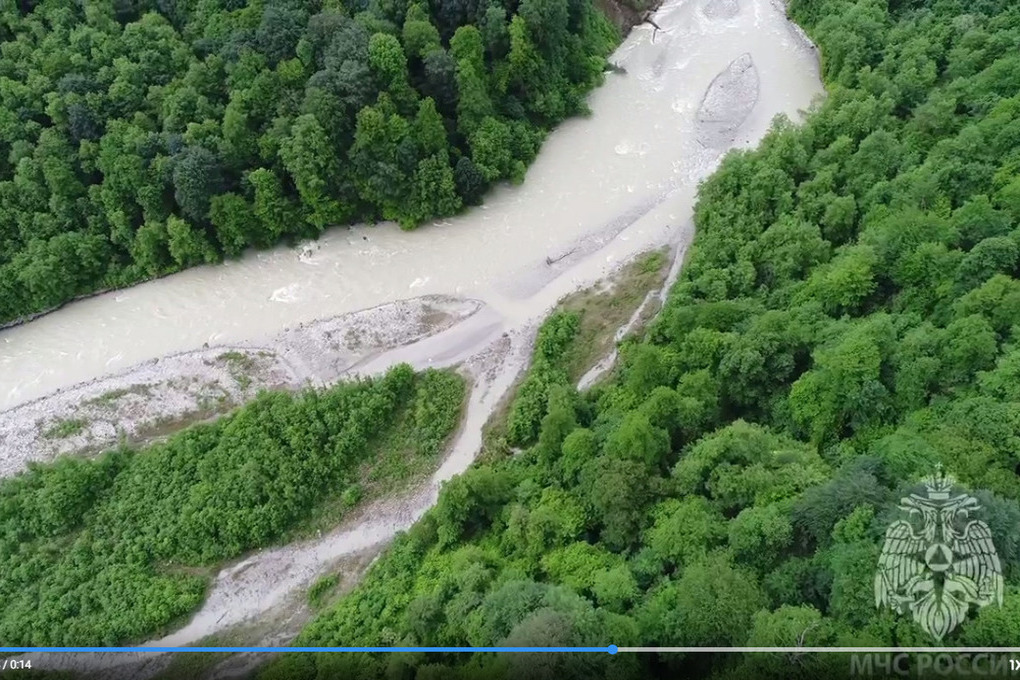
(938, 562)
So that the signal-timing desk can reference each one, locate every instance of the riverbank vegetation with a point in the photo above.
(604, 310)
(104, 551)
(848, 317)
(140, 138)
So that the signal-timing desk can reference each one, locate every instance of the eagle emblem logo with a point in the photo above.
(938, 562)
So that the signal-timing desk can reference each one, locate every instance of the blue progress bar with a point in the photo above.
(610, 649)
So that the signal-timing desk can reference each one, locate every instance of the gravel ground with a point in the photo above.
(728, 102)
(160, 396)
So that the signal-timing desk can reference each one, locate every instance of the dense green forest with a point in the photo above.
(98, 552)
(849, 315)
(139, 137)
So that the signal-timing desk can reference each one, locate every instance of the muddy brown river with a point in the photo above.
(603, 188)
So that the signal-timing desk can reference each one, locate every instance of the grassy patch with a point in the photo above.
(108, 398)
(238, 360)
(67, 427)
(240, 366)
(602, 311)
(321, 589)
(208, 409)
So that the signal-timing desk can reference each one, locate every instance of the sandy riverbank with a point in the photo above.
(158, 397)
